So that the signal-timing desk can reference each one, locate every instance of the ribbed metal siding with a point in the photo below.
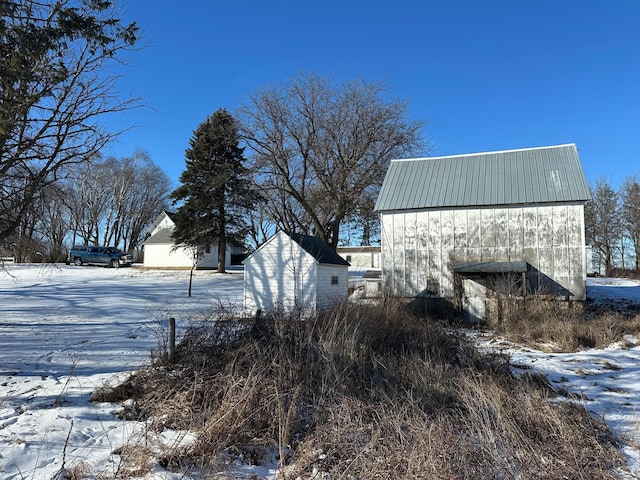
(536, 175)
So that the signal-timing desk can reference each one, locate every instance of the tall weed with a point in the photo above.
(562, 326)
(363, 391)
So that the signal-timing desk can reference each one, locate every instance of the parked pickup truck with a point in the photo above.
(108, 256)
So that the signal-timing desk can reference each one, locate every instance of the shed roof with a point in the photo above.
(490, 267)
(322, 252)
(524, 176)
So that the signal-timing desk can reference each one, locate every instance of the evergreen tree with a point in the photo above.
(215, 191)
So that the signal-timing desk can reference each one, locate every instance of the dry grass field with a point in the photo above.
(362, 392)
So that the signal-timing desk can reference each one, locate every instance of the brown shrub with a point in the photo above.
(562, 326)
(366, 392)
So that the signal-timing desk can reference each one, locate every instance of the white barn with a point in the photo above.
(453, 228)
(160, 251)
(293, 272)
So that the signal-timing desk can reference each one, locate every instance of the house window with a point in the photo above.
(207, 248)
(334, 280)
(349, 258)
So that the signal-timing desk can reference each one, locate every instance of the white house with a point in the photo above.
(160, 251)
(292, 271)
(454, 228)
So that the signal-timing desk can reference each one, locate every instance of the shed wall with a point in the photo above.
(329, 294)
(419, 247)
(279, 275)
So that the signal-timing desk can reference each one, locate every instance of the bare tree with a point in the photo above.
(261, 227)
(24, 241)
(630, 194)
(54, 90)
(41, 234)
(115, 199)
(148, 189)
(55, 222)
(321, 148)
(91, 200)
(603, 222)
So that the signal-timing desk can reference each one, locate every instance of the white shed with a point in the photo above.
(294, 272)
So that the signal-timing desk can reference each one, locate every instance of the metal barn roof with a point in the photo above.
(525, 176)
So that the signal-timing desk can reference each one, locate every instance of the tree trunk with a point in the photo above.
(607, 262)
(335, 234)
(222, 253)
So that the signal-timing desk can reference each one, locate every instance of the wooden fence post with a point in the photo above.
(172, 340)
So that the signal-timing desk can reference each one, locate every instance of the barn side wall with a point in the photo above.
(419, 247)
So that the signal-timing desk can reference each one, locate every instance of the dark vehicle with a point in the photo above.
(96, 255)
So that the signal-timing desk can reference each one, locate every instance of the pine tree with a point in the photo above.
(215, 191)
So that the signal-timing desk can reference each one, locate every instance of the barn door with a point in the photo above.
(474, 300)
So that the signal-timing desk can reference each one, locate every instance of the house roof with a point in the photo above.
(161, 216)
(235, 243)
(372, 274)
(322, 252)
(315, 247)
(525, 176)
(160, 237)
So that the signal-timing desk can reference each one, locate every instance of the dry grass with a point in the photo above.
(562, 326)
(363, 392)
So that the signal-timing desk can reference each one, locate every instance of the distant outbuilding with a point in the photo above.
(361, 258)
(464, 228)
(294, 272)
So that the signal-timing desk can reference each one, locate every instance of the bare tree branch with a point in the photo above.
(321, 149)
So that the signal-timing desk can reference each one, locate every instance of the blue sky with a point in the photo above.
(485, 74)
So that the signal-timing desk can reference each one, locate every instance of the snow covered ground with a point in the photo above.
(65, 330)
(608, 380)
